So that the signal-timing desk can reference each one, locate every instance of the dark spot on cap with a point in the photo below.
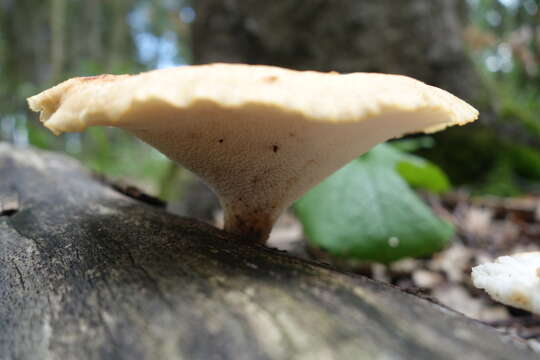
(220, 140)
(270, 79)
(275, 148)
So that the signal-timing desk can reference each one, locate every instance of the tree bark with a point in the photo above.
(89, 273)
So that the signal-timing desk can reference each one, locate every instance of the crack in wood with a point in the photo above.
(9, 204)
(21, 278)
(131, 191)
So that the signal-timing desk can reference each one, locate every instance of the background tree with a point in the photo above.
(420, 38)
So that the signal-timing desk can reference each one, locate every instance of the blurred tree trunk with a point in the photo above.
(93, 13)
(57, 13)
(119, 33)
(26, 43)
(419, 38)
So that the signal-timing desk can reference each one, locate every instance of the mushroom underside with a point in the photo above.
(258, 171)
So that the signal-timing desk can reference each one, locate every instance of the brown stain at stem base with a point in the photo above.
(250, 227)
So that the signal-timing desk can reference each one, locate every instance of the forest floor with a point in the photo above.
(486, 228)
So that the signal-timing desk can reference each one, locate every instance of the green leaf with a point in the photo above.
(420, 173)
(367, 211)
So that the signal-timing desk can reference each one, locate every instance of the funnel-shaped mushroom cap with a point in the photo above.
(260, 136)
(513, 280)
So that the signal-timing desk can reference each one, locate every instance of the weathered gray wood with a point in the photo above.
(88, 273)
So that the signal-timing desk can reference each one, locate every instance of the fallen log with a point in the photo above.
(87, 272)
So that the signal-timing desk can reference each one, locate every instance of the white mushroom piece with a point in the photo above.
(260, 136)
(513, 280)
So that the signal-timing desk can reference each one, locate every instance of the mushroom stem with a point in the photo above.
(250, 225)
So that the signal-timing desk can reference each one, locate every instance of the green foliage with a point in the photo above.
(113, 152)
(507, 56)
(367, 211)
(516, 167)
(500, 180)
(418, 172)
(40, 137)
(526, 161)
(518, 105)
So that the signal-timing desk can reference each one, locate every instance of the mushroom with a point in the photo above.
(513, 280)
(260, 136)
